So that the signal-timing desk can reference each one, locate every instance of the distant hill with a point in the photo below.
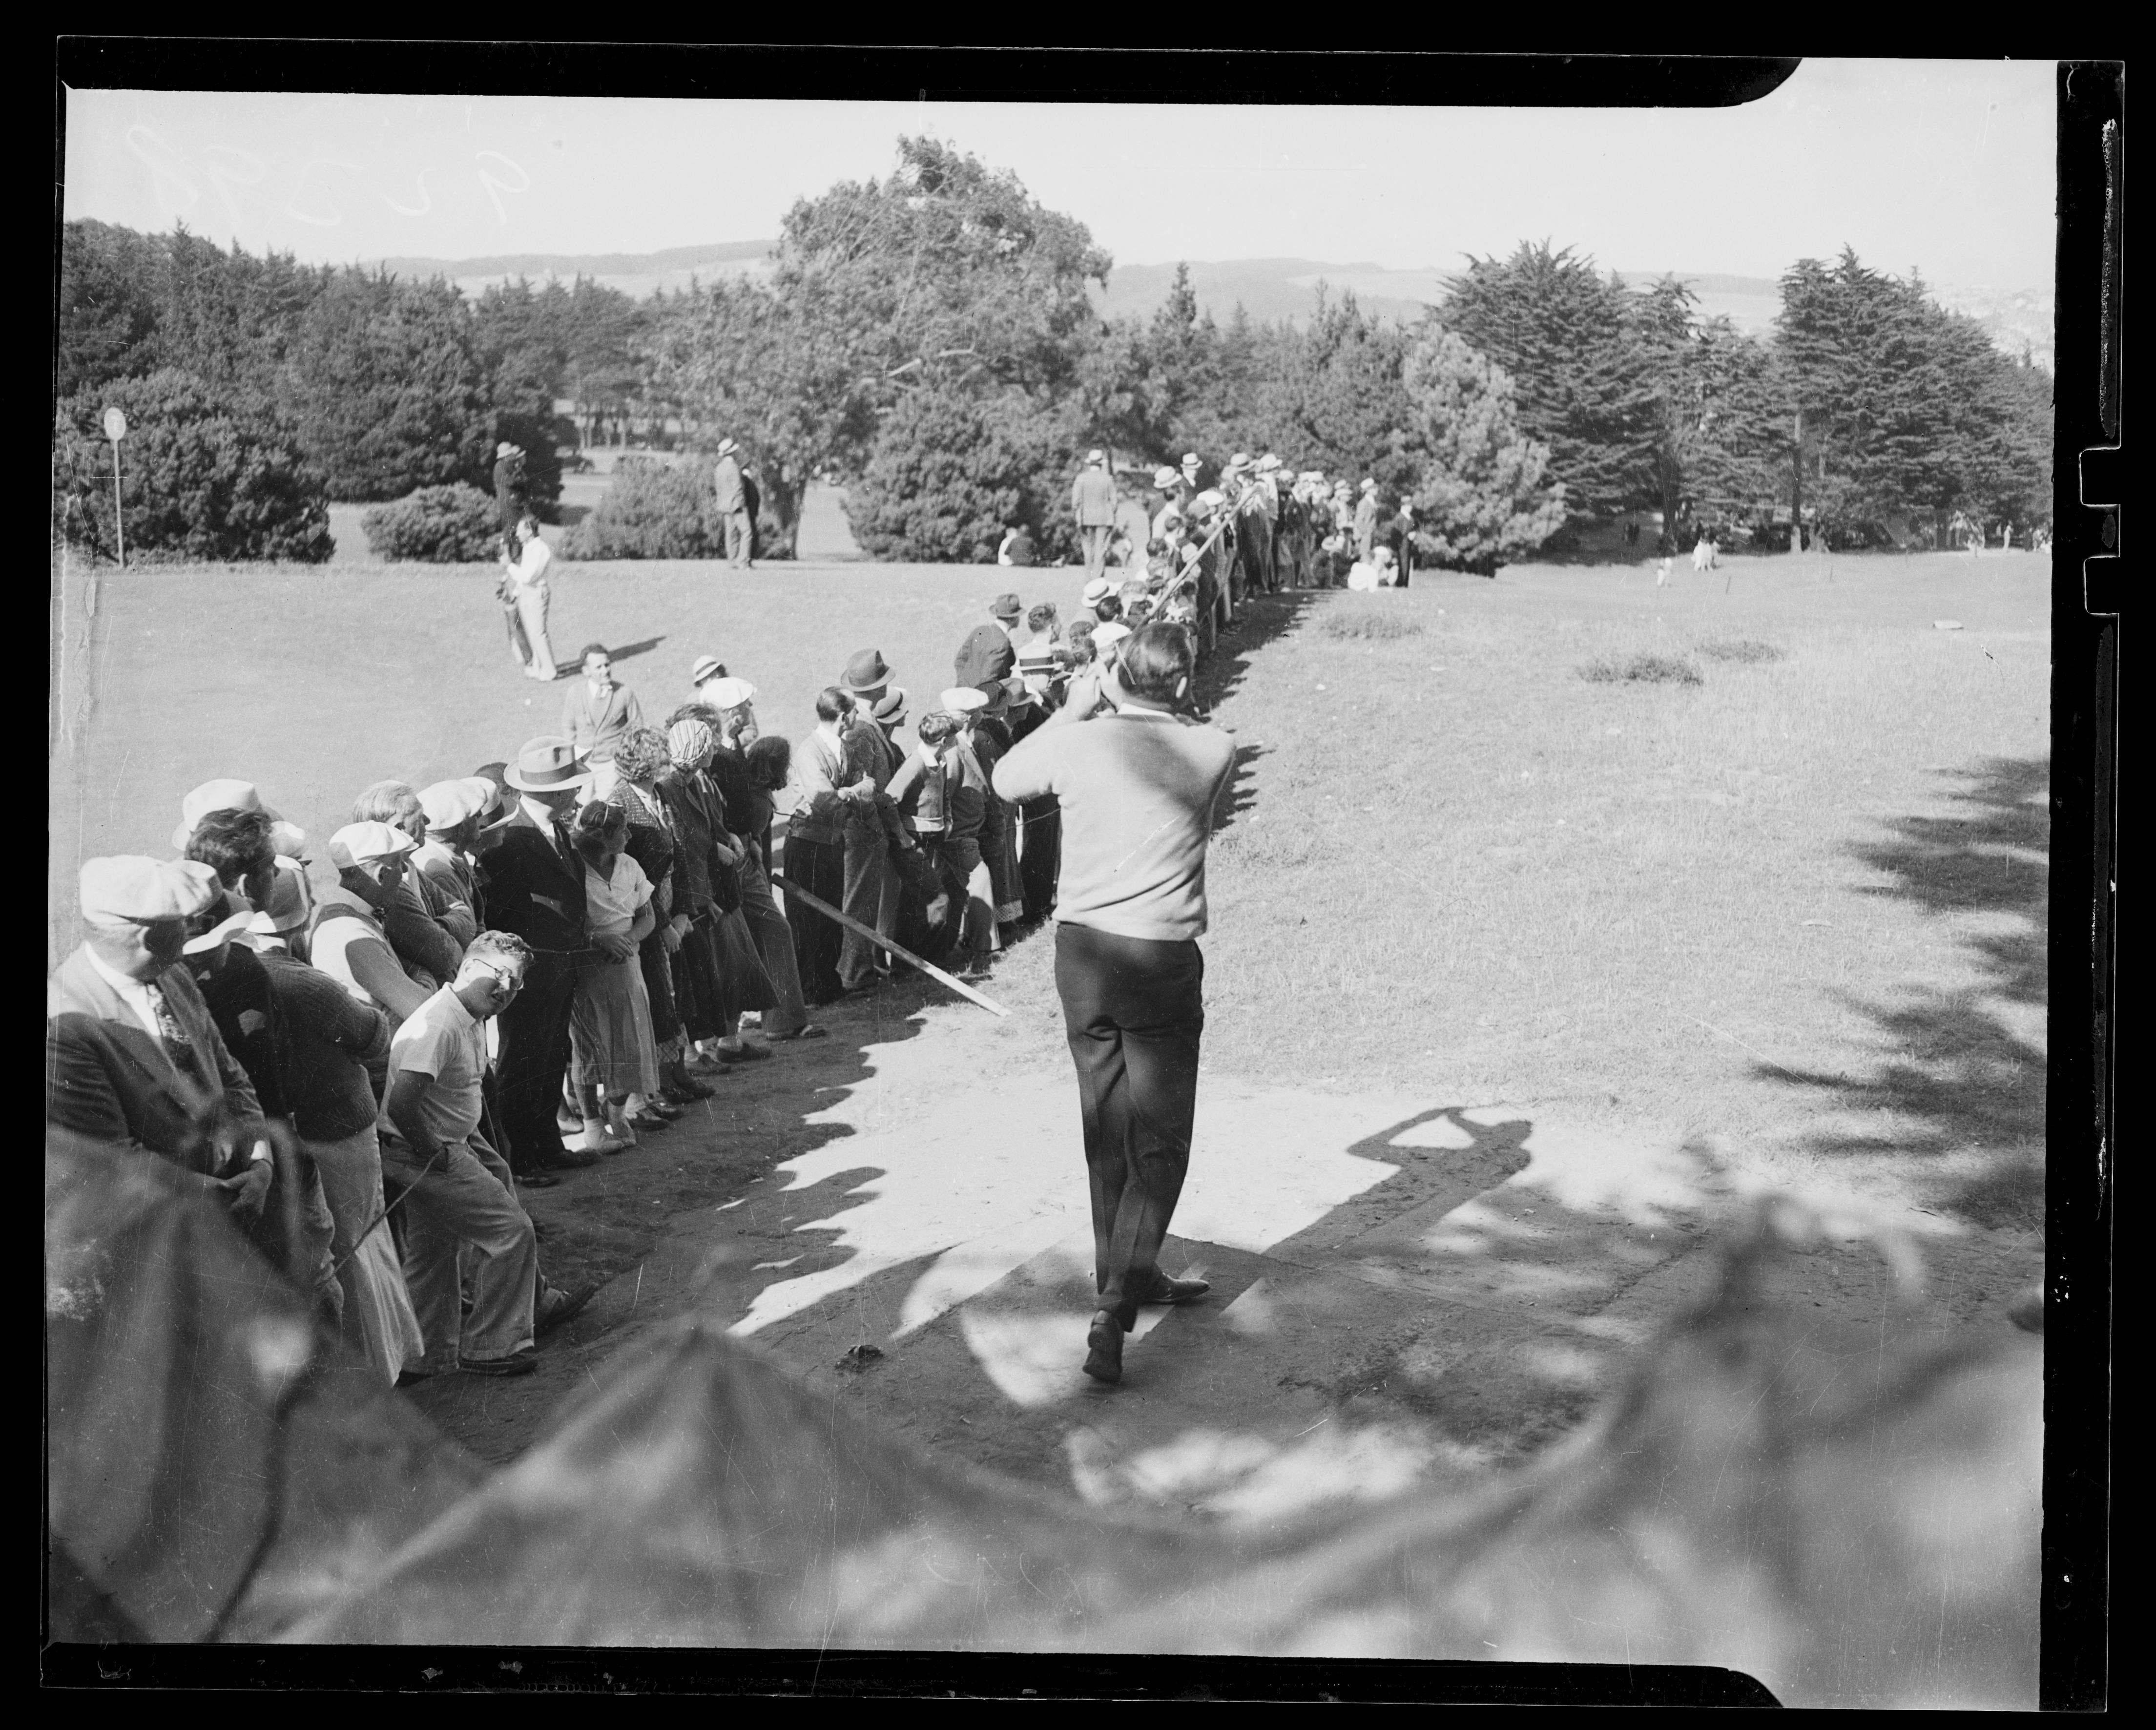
(1269, 290)
(638, 274)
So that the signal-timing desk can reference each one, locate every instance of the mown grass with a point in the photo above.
(1451, 865)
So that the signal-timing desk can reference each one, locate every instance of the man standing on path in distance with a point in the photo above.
(1366, 521)
(1093, 500)
(733, 504)
(1137, 784)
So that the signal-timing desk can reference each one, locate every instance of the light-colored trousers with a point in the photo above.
(378, 1321)
(532, 599)
(1094, 535)
(467, 1204)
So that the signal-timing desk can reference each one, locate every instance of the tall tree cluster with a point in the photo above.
(374, 386)
(929, 339)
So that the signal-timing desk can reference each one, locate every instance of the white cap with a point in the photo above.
(448, 803)
(130, 889)
(235, 796)
(727, 693)
(962, 699)
(357, 842)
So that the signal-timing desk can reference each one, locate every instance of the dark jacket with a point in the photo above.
(534, 883)
(986, 655)
(337, 1050)
(238, 996)
(109, 1080)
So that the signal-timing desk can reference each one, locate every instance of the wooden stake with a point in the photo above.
(853, 925)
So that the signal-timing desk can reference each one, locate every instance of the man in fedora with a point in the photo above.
(534, 881)
(132, 1057)
(1093, 500)
(990, 651)
(872, 880)
(733, 504)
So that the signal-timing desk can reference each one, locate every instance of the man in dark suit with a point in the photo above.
(990, 651)
(535, 887)
(132, 1057)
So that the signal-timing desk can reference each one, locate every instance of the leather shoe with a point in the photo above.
(1168, 1291)
(569, 1159)
(1104, 1347)
(529, 1178)
(517, 1363)
(558, 1306)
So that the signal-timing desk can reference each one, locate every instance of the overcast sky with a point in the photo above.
(1945, 165)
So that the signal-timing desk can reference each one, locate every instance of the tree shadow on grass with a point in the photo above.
(1970, 1072)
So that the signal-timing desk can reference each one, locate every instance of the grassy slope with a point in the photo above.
(1456, 867)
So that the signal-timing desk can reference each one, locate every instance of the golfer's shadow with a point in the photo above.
(629, 651)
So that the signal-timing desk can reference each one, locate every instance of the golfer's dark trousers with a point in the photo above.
(534, 1058)
(1132, 1011)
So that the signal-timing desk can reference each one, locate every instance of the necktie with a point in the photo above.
(169, 1024)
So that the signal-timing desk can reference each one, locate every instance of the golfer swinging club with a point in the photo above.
(1137, 784)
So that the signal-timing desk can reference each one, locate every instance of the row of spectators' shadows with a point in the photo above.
(1262, 619)
(1968, 1073)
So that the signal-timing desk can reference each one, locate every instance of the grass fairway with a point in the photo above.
(1795, 908)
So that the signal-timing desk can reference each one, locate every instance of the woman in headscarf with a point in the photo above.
(639, 760)
(725, 975)
(614, 1063)
(749, 812)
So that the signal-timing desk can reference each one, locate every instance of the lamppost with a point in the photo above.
(116, 429)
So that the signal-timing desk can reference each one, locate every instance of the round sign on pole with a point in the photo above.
(116, 425)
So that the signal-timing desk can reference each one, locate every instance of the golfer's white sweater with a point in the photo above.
(1137, 788)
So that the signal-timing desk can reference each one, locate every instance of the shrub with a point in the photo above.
(953, 469)
(1646, 667)
(201, 477)
(651, 510)
(456, 525)
(1358, 622)
(1743, 649)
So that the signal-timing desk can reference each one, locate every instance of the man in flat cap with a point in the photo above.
(132, 1055)
(733, 504)
(1093, 501)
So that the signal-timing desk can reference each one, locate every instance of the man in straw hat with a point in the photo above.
(535, 888)
(1137, 783)
(1093, 502)
(132, 1057)
(733, 504)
